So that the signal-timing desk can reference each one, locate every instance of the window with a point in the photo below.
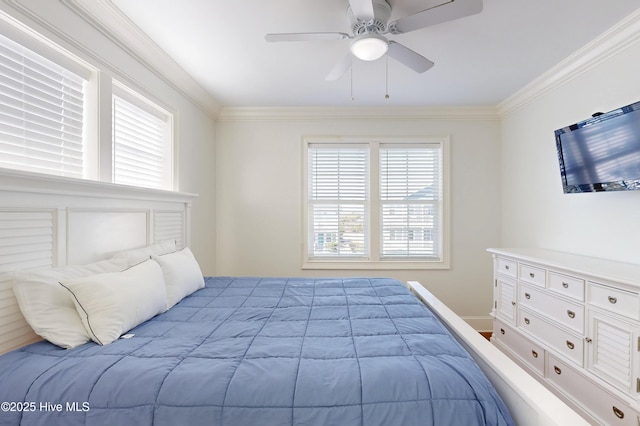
(410, 194)
(141, 149)
(338, 201)
(51, 121)
(42, 113)
(376, 204)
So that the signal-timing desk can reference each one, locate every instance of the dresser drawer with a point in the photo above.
(565, 343)
(567, 286)
(526, 350)
(614, 300)
(532, 275)
(569, 314)
(507, 267)
(601, 404)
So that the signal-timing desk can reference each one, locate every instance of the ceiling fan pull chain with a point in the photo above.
(351, 83)
(386, 77)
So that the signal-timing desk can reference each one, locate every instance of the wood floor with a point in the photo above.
(486, 334)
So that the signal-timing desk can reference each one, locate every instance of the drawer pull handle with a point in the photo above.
(588, 339)
(570, 345)
(527, 295)
(502, 331)
(612, 299)
(618, 412)
(532, 275)
(526, 321)
(506, 267)
(571, 314)
(535, 354)
(557, 370)
(565, 285)
(513, 303)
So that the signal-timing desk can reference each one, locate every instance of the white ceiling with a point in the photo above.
(480, 59)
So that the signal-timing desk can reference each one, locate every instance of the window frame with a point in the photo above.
(40, 46)
(102, 83)
(338, 201)
(374, 259)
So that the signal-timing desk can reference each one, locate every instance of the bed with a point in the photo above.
(271, 351)
(242, 350)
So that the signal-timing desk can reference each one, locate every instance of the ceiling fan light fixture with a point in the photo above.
(369, 47)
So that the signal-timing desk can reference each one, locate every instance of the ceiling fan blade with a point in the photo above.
(440, 11)
(306, 36)
(362, 9)
(340, 68)
(408, 57)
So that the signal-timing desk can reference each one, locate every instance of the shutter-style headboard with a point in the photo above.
(48, 222)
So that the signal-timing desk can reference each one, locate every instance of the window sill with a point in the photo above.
(374, 265)
(22, 181)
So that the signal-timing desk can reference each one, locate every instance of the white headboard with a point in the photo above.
(48, 222)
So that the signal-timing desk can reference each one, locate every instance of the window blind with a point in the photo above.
(410, 202)
(41, 113)
(138, 146)
(338, 197)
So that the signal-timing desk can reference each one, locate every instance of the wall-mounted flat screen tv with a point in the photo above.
(601, 153)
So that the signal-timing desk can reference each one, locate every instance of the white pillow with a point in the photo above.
(182, 274)
(49, 308)
(113, 303)
(135, 256)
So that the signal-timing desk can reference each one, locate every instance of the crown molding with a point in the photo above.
(106, 18)
(613, 41)
(349, 113)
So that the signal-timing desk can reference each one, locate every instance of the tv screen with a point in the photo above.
(601, 153)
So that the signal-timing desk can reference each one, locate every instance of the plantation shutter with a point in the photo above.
(41, 113)
(410, 201)
(138, 145)
(338, 201)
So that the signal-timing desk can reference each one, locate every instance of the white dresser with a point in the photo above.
(574, 323)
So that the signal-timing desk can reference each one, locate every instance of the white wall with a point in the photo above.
(195, 129)
(259, 198)
(247, 170)
(535, 212)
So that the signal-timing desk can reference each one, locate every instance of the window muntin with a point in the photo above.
(52, 119)
(403, 218)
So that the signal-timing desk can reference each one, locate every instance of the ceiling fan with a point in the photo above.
(369, 20)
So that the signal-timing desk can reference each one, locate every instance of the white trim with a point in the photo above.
(87, 221)
(40, 35)
(105, 17)
(529, 402)
(30, 39)
(373, 262)
(613, 41)
(39, 183)
(231, 114)
(355, 265)
(167, 142)
(140, 100)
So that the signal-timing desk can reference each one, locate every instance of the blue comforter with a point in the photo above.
(270, 351)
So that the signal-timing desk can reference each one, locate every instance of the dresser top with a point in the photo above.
(596, 268)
